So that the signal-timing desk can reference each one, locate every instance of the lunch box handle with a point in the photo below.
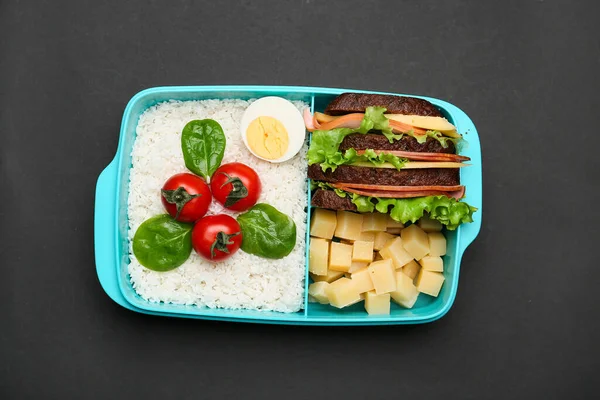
(105, 233)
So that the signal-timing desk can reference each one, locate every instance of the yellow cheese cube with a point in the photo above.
(374, 222)
(361, 298)
(322, 223)
(330, 277)
(437, 244)
(432, 263)
(394, 250)
(406, 292)
(415, 241)
(411, 269)
(362, 281)
(317, 256)
(394, 231)
(429, 225)
(362, 251)
(377, 304)
(429, 282)
(382, 275)
(342, 293)
(340, 256)
(318, 291)
(357, 266)
(381, 239)
(349, 225)
(392, 223)
(367, 236)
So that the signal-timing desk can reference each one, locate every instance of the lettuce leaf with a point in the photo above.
(350, 156)
(324, 145)
(448, 211)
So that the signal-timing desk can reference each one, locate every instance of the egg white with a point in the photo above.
(282, 110)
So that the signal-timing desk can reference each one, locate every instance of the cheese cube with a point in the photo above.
(367, 236)
(361, 298)
(429, 282)
(382, 275)
(392, 223)
(377, 304)
(342, 293)
(406, 292)
(394, 250)
(362, 251)
(411, 269)
(330, 277)
(317, 256)
(394, 231)
(437, 244)
(381, 238)
(415, 241)
(322, 223)
(340, 256)
(374, 222)
(349, 225)
(318, 291)
(357, 266)
(362, 281)
(429, 225)
(432, 263)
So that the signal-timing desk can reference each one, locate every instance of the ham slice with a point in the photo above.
(394, 192)
(327, 122)
(410, 155)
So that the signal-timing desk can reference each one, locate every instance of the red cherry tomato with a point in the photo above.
(236, 186)
(216, 237)
(186, 197)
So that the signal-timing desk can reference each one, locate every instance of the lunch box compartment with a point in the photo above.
(111, 224)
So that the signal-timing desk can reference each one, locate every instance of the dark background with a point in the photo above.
(525, 322)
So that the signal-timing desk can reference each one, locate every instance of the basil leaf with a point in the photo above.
(267, 232)
(162, 244)
(203, 145)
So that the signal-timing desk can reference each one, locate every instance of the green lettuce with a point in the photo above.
(324, 145)
(450, 212)
(351, 156)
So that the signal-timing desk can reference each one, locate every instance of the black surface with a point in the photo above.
(525, 322)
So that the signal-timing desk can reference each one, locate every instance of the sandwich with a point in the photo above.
(389, 154)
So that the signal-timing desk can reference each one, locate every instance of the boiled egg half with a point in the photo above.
(273, 129)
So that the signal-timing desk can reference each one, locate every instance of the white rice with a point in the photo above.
(244, 281)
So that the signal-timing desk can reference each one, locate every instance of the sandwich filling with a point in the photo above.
(389, 154)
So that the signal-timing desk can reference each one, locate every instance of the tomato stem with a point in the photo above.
(222, 240)
(180, 197)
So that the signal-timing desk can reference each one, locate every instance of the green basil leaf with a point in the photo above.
(203, 145)
(267, 232)
(162, 243)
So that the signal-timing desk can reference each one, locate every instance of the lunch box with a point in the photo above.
(111, 224)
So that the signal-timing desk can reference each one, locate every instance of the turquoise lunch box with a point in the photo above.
(110, 218)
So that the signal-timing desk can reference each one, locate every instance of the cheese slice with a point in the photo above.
(429, 123)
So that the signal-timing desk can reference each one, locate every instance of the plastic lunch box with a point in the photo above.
(110, 219)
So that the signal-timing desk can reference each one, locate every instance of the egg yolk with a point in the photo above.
(267, 137)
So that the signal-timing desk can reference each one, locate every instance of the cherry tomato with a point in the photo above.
(186, 197)
(236, 186)
(216, 237)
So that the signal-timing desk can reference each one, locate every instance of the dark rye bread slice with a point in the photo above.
(387, 176)
(358, 102)
(375, 141)
(328, 199)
